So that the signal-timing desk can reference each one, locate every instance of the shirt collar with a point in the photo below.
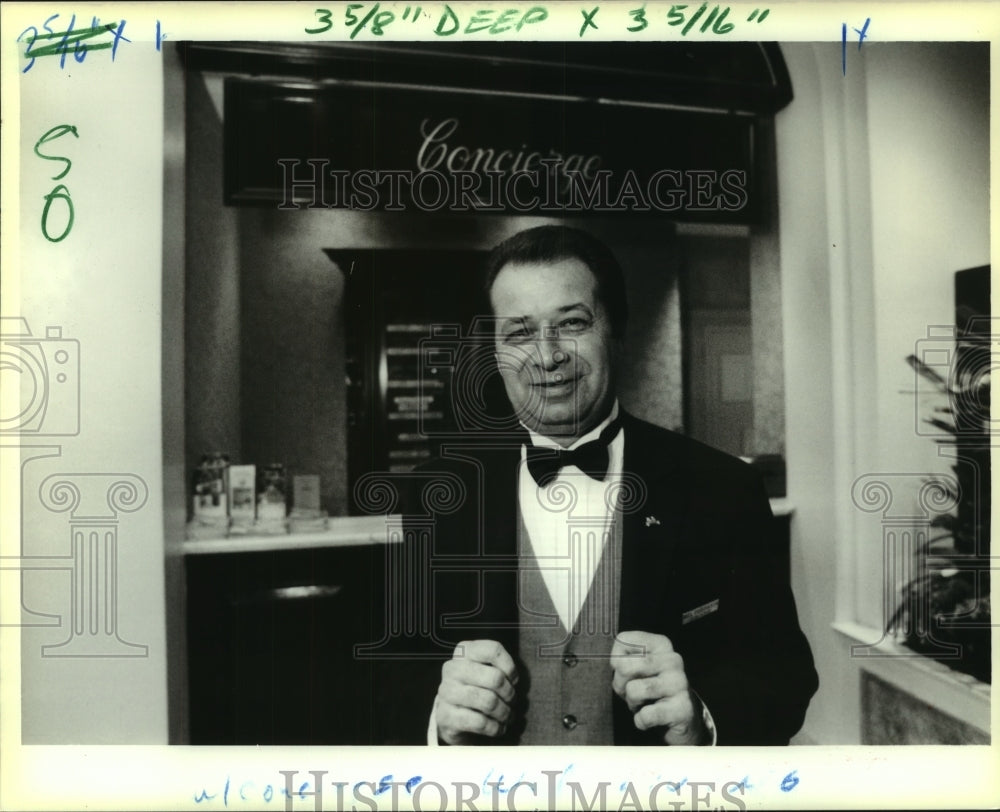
(542, 441)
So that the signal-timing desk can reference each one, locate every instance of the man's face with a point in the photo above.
(554, 346)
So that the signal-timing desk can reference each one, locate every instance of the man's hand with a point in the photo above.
(476, 692)
(649, 676)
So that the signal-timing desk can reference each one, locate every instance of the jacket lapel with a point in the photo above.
(652, 528)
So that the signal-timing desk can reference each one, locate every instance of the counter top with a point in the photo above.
(342, 531)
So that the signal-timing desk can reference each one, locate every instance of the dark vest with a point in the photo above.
(565, 694)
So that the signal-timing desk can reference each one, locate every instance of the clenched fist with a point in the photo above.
(649, 676)
(476, 692)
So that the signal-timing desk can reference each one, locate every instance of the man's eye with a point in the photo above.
(517, 334)
(574, 323)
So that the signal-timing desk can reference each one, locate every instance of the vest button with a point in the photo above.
(569, 721)
(569, 660)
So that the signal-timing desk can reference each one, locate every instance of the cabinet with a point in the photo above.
(271, 639)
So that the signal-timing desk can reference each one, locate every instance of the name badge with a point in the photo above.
(699, 612)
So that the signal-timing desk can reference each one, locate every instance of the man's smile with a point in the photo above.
(556, 385)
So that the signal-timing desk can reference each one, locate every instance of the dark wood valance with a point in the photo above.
(748, 77)
(524, 128)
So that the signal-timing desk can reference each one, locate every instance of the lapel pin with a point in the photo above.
(651, 520)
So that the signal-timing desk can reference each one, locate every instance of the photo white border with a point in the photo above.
(170, 777)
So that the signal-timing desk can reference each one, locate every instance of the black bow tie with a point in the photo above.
(591, 458)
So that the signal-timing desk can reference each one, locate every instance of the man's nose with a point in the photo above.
(552, 349)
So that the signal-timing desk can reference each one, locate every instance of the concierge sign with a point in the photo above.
(370, 148)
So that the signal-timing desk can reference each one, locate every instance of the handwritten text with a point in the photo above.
(60, 192)
(376, 19)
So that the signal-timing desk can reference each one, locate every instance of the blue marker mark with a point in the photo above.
(843, 49)
(789, 782)
(412, 783)
(203, 797)
(119, 36)
(861, 32)
(62, 47)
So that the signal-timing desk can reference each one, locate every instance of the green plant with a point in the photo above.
(946, 607)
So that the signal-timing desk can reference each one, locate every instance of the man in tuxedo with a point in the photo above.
(595, 579)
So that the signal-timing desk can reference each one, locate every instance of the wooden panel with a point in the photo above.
(271, 641)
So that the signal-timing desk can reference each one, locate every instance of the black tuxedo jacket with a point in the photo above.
(700, 565)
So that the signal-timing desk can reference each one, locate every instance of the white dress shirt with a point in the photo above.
(569, 519)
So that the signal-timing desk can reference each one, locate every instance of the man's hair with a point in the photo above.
(554, 243)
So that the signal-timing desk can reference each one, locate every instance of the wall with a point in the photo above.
(768, 436)
(808, 354)
(175, 455)
(718, 336)
(878, 208)
(102, 286)
(930, 218)
(211, 289)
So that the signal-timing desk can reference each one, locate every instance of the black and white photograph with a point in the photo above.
(389, 388)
